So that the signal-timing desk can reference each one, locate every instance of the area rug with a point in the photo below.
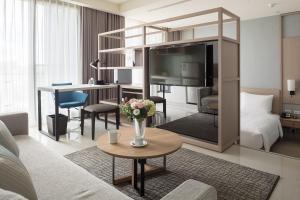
(198, 125)
(232, 181)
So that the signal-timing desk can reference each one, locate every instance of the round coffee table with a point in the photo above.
(160, 143)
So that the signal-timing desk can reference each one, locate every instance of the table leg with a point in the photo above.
(142, 177)
(134, 177)
(56, 94)
(39, 111)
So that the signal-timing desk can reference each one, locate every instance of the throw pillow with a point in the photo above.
(7, 140)
(8, 195)
(14, 176)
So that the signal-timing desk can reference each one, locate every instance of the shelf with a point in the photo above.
(122, 50)
(120, 67)
(132, 87)
(109, 101)
(130, 92)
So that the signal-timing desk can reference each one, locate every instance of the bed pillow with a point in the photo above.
(14, 176)
(7, 140)
(257, 104)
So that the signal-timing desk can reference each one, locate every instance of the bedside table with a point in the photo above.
(290, 123)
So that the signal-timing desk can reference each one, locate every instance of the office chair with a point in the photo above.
(72, 99)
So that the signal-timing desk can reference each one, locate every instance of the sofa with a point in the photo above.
(55, 177)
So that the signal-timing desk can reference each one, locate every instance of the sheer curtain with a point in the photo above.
(17, 56)
(58, 55)
(39, 45)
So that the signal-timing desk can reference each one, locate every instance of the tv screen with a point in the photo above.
(179, 65)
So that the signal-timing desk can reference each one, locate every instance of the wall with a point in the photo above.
(291, 28)
(260, 53)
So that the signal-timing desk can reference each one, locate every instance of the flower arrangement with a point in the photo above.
(138, 109)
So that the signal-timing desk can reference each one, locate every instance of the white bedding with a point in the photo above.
(260, 130)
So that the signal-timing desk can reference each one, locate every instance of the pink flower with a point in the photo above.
(140, 105)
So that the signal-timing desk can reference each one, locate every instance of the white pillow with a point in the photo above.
(257, 104)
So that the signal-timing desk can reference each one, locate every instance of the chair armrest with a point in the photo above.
(192, 190)
(17, 123)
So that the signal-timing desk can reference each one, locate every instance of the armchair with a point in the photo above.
(70, 99)
(206, 96)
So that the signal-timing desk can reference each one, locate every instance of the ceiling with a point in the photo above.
(152, 10)
(146, 11)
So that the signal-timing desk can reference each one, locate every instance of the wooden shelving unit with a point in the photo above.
(228, 64)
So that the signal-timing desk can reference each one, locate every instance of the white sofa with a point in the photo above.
(55, 177)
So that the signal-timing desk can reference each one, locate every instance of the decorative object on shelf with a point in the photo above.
(113, 136)
(139, 110)
(291, 84)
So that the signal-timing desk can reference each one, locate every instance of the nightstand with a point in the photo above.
(290, 123)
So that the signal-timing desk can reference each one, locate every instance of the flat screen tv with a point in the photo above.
(184, 65)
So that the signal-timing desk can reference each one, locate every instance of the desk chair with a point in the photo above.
(72, 99)
(96, 109)
(158, 99)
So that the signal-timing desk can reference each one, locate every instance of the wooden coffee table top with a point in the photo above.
(160, 142)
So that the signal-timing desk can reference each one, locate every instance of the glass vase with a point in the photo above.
(139, 126)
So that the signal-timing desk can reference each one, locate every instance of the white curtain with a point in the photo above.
(17, 56)
(39, 45)
(57, 42)
(58, 56)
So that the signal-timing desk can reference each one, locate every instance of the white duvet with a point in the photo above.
(260, 130)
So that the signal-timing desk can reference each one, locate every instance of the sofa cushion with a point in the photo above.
(209, 99)
(55, 177)
(7, 140)
(192, 190)
(8, 195)
(14, 176)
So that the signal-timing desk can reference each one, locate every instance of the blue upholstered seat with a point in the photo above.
(70, 99)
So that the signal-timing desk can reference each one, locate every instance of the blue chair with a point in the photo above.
(72, 99)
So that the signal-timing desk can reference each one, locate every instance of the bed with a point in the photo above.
(260, 120)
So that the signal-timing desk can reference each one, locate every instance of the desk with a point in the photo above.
(67, 88)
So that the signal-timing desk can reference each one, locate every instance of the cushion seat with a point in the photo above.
(101, 108)
(71, 104)
(209, 99)
(157, 99)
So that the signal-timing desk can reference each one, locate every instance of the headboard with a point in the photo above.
(277, 100)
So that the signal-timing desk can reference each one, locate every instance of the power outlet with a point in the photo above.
(297, 112)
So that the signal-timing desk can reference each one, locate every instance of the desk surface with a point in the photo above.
(67, 88)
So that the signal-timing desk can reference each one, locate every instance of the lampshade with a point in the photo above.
(291, 85)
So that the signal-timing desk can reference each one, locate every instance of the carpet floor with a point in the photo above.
(198, 125)
(232, 181)
(289, 145)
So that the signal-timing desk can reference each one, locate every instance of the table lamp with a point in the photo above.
(94, 65)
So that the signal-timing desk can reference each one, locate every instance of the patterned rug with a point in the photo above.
(232, 181)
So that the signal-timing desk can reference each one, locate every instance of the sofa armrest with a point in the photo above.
(17, 123)
(192, 190)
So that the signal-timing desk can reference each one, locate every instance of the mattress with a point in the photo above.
(260, 130)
